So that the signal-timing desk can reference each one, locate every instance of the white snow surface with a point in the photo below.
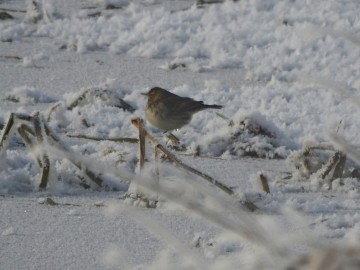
(290, 67)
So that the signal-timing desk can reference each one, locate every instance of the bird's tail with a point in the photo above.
(214, 106)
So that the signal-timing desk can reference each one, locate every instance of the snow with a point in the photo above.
(286, 73)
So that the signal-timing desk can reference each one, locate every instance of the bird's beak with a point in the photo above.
(145, 94)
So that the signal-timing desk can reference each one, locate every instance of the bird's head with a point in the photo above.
(154, 92)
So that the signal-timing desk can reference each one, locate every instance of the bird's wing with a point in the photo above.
(184, 104)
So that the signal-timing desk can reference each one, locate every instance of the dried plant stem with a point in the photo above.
(104, 94)
(52, 109)
(10, 57)
(142, 144)
(6, 132)
(175, 140)
(264, 183)
(337, 162)
(330, 165)
(43, 157)
(120, 140)
(156, 158)
(137, 122)
(12, 10)
(63, 148)
(25, 132)
(340, 166)
(43, 160)
(8, 126)
(77, 101)
(322, 147)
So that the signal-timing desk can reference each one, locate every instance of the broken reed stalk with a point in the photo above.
(25, 132)
(104, 94)
(62, 147)
(201, 3)
(330, 165)
(6, 132)
(43, 161)
(12, 10)
(10, 57)
(230, 122)
(77, 101)
(52, 109)
(43, 158)
(340, 166)
(120, 140)
(137, 122)
(322, 147)
(175, 140)
(338, 127)
(337, 162)
(36, 131)
(141, 144)
(9, 124)
(264, 183)
(156, 158)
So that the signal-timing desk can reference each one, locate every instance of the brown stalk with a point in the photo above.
(141, 143)
(137, 122)
(264, 183)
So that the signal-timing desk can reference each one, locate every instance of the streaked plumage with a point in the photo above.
(168, 111)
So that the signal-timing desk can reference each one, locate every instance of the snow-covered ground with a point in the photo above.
(287, 74)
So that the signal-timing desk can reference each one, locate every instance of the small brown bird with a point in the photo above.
(168, 111)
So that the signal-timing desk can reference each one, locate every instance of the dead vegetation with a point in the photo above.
(36, 135)
(247, 136)
(325, 163)
(166, 155)
(5, 16)
(40, 139)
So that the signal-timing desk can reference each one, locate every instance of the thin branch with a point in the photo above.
(264, 183)
(68, 154)
(120, 140)
(12, 10)
(179, 163)
(141, 144)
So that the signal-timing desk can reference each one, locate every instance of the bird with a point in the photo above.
(168, 111)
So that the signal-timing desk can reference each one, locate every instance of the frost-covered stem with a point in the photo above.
(179, 163)
(119, 140)
(208, 178)
(52, 109)
(330, 165)
(43, 161)
(264, 183)
(307, 151)
(77, 101)
(337, 161)
(175, 140)
(156, 158)
(6, 131)
(71, 157)
(24, 131)
(9, 125)
(12, 10)
(325, 147)
(339, 168)
(44, 158)
(141, 143)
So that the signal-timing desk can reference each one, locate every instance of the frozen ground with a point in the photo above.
(288, 67)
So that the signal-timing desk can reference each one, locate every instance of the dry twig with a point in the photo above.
(137, 122)
(119, 140)
(264, 183)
